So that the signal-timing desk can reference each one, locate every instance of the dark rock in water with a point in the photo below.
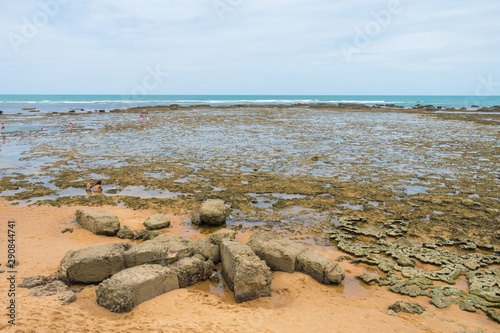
(58, 288)
(33, 282)
(67, 230)
(411, 308)
(125, 233)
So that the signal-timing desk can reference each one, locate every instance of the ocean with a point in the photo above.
(11, 104)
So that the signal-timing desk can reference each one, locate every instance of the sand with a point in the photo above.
(298, 303)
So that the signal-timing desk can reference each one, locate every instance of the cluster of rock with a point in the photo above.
(395, 256)
(106, 223)
(129, 275)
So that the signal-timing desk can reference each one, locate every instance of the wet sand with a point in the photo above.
(293, 171)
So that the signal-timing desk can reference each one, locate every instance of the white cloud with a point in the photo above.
(104, 46)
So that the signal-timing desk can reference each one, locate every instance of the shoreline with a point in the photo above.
(318, 105)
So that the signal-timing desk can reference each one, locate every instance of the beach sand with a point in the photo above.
(298, 303)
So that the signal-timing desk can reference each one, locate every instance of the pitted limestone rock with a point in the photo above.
(279, 253)
(156, 221)
(322, 269)
(97, 221)
(147, 253)
(129, 288)
(93, 264)
(486, 284)
(192, 270)
(179, 248)
(247, 275)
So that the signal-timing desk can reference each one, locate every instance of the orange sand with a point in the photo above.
(298, 303)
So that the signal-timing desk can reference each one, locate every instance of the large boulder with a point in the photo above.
(213, 213)
(147, 253)
(282, 254)
(191, 270)
(93, 264)
(245, 274)
(97, 221)
(319, 267)
(179, 248)
(129, 288)
(279, 253)
(156, 221)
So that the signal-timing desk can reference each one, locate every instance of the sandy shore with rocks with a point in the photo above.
(298, 303)
(292, 171)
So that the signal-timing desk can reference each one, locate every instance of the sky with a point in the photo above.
(228, 47)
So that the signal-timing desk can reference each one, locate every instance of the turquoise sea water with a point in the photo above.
(60, 103)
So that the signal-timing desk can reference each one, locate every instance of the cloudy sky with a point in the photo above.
(329, 47)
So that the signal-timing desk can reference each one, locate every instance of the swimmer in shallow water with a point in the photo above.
(98, 186)
(89, 185)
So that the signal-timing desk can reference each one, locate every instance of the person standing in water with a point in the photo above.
(70, 126)
(98, 186)
(3, 128)
(89, 185)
